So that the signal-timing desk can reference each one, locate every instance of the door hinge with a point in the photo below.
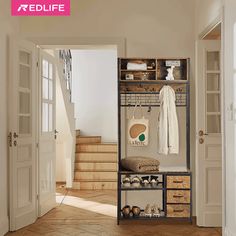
(37, 145)
(37, 64)
(37, 197)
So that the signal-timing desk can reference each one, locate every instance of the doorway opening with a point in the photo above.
(86, 127)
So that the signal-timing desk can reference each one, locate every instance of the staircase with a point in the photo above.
(95, 164)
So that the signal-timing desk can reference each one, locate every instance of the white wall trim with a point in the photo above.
(74, 42)
(227, 232)
(4, 226)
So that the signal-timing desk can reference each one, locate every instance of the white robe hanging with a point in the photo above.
(168, 132)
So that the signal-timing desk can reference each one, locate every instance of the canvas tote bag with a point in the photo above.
(138, 129)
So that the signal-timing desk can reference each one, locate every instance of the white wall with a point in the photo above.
(65, 125)
(7, 25)
(63, 129)
(94, 92)
(153, 28)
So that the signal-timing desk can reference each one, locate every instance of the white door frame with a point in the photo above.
(218, 20)
(70, 43)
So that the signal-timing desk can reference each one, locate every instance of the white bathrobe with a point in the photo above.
(168, 132)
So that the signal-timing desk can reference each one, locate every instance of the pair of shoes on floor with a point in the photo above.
(152, 211)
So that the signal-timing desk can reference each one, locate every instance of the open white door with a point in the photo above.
(22, 134)
(47, 135)
(209, 135)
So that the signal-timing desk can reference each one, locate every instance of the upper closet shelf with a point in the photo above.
(153, 70)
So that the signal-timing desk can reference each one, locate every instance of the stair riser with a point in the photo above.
(96, 176)
(96, 148)
(95, 185)
(96, 166)
(87, 140)
(96, 157)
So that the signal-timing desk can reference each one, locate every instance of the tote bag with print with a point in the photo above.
(138, 129)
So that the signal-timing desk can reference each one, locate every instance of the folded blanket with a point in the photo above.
(140, 164)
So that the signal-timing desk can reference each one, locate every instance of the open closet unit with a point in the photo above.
(164, 193)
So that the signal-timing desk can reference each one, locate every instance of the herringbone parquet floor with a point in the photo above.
(93, 213)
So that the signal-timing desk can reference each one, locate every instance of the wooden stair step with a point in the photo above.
(88, 139)
(103, 147)
(89, 175)
(95, 166)
(96, 157)
(95, 185)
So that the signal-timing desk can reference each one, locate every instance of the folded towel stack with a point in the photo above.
(136, 66)
(140, 164)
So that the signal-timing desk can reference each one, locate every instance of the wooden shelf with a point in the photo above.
(158, 187)
(129, 172)
(122, 70)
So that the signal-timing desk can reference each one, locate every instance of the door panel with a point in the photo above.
(22, 134)
(208, 138)
(47, 144)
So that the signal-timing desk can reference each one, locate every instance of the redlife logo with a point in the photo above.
(40, 7)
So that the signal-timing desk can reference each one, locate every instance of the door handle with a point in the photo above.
(55, 133)
(15, 135)
(10, 139)
(201, 133)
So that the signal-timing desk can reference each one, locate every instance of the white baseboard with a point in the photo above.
(4, 226)
(228, 232)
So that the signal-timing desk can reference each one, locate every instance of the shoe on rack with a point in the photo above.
(126, 181)
(145, 180)
(154, 180)
(148, 211)
(136, 182)
(126, 211)
(156, 211)
(136, 211)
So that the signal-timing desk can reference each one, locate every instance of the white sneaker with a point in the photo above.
(148, 211)
(155, 211)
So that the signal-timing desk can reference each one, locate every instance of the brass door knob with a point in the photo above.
(201, 140)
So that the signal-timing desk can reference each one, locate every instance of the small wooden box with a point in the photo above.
(178, 196)
(178, 211)
(181, 182)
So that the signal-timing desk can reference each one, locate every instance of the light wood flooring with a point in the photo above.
(93, 213)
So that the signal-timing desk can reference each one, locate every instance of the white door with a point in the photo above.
(47, 135)
(22, 134)
(209, 135)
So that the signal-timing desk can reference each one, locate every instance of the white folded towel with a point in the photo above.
(136, 66)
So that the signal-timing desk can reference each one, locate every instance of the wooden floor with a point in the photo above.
(93, 213)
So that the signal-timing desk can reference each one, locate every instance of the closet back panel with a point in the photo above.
(166, 161)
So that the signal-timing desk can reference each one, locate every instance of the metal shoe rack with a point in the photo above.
(145, 87)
